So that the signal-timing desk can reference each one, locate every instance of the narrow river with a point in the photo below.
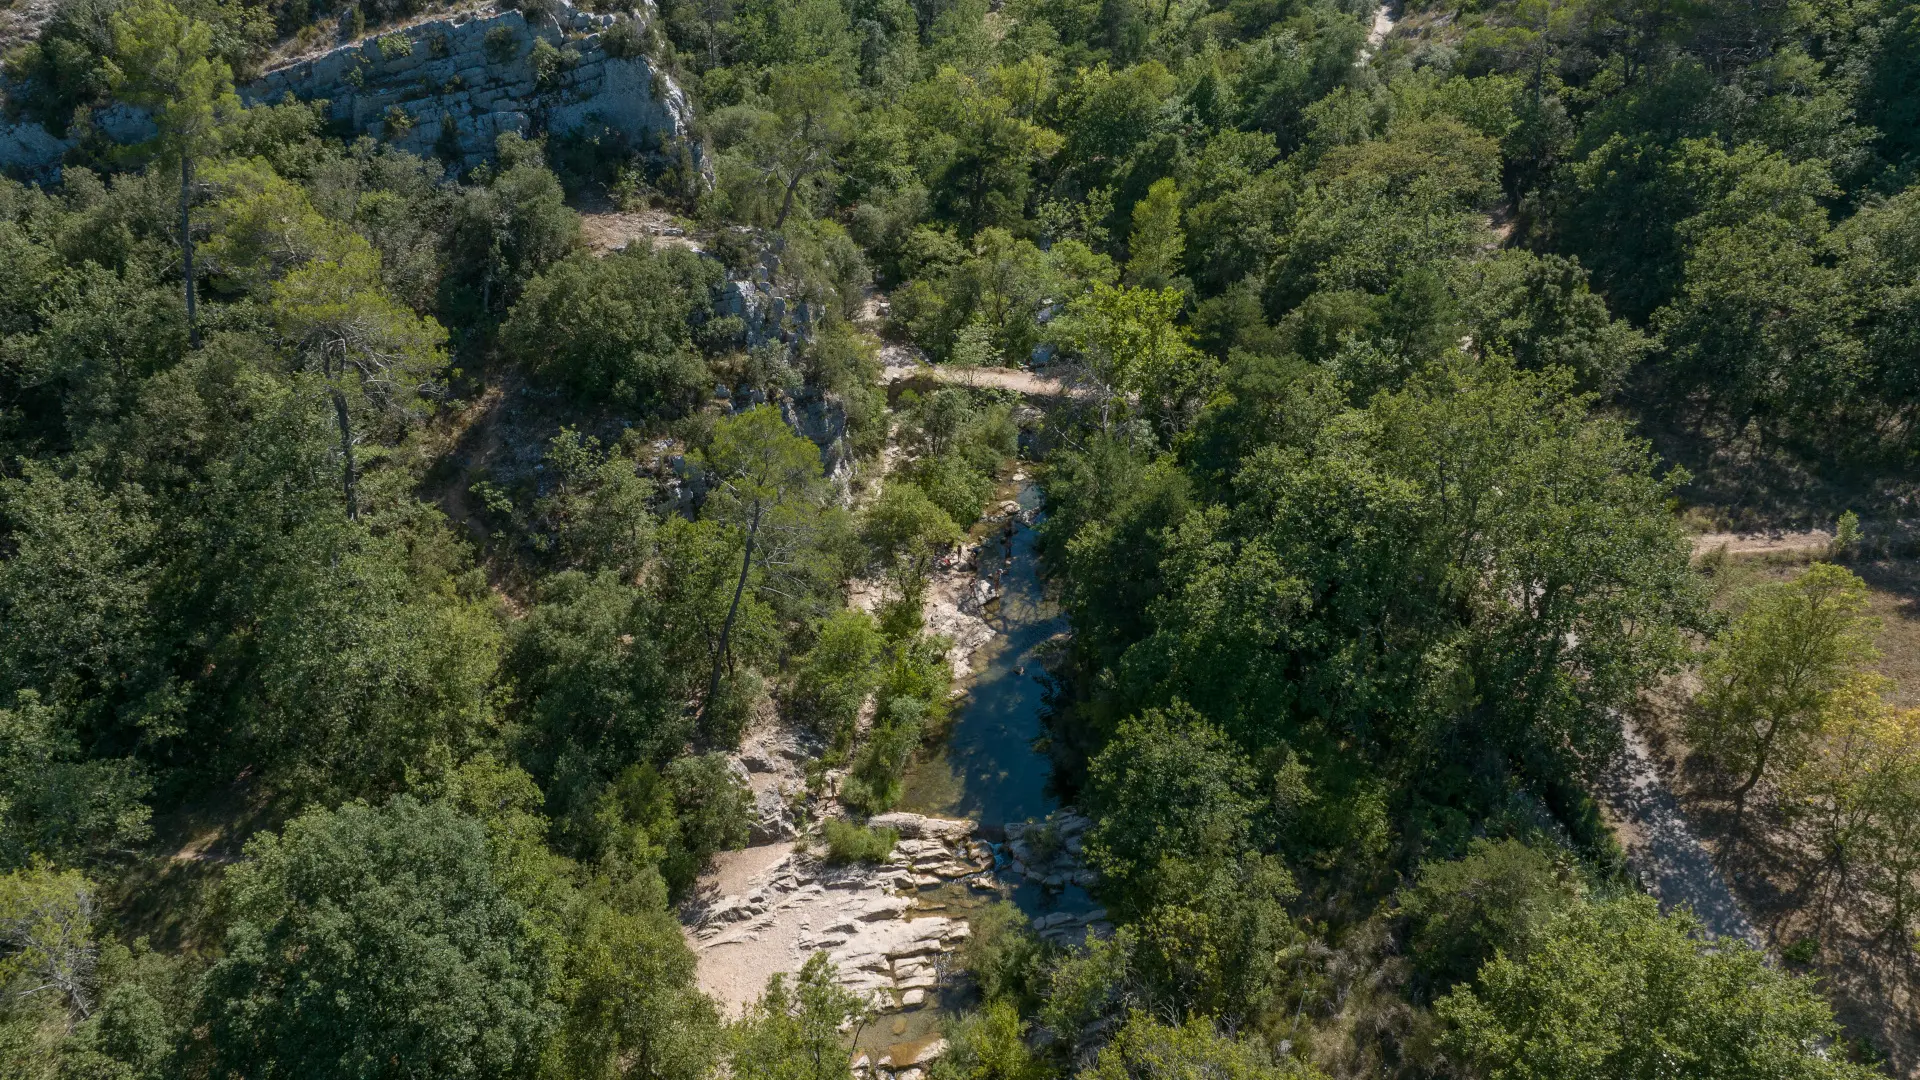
(987, 768)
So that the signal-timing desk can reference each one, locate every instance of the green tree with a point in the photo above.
(1858, 783)
(1146, 1048)
(1129, 345)
(56, 802)
(1539, 309)
(677, 818)
(617, 328)
(793, 1031)
(1421, 550)
(632, 1009)
(376, 942)
(836, 675)
(165, 61)
(905, 532)
(1619, 990)
(1172, 799)
(501, 235)
(596, 516)
(989, 1045)
(367, 350)
(1768, 679)
(47, 948)
(597, 685)
(767, 479)
(1498, 899)
(1157, 246)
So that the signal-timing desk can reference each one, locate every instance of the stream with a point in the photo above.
(987, 767)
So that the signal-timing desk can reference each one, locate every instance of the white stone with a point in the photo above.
(924, 1053)
(921, 827)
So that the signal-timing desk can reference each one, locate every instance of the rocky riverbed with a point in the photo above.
(767, 908)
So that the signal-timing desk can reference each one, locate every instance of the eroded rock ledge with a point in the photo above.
(768, 908)
(451, 86)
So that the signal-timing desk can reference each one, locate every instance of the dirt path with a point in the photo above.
(609, 230)
(1018, 380)
(1762, 543)
(1661, 847)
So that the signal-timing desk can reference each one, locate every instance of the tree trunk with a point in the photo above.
(733, 609)
(347, 478)
(1753, 778)
(186, 246)
(786, 204)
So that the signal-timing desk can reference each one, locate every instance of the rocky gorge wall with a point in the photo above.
(453, 85)
(450, 86)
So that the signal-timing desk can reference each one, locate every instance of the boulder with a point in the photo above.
(921, 827)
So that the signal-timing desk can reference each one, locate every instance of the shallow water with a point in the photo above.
(987, 768)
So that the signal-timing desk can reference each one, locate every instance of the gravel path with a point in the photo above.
(1662, 848)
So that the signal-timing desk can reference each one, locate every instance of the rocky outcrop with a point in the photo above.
(452, 86)
(883, 945)
(1048, 852)
(862, 916)
(761, 301)
(774, 763)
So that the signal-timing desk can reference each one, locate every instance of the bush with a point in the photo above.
(918, 670)
(836, 676)
(847, 842)
(501, 44)
(1497, 899)
(617, 329)
(624, 40)
(873, 784)
(954, 485)
(680, 817)
(1003, 954)
(550, 63)
(989, 1045)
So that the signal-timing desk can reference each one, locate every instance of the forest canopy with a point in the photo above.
(407, 559)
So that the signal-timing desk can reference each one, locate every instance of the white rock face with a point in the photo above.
(448, 85)
(861, 915)
(458, 82)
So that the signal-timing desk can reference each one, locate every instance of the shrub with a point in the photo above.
(918, 670)
(1846, 536)
(847, 842)
(1002, 953)
(954, 485)
(395, 46)
(873, 784)
(1497, 899)
(397, 121)
(550, 63)
(624, 40)
(836, 676)
(501, 44)
(617, 329)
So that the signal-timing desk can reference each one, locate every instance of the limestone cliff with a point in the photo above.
(452, 85)
(449, 86)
